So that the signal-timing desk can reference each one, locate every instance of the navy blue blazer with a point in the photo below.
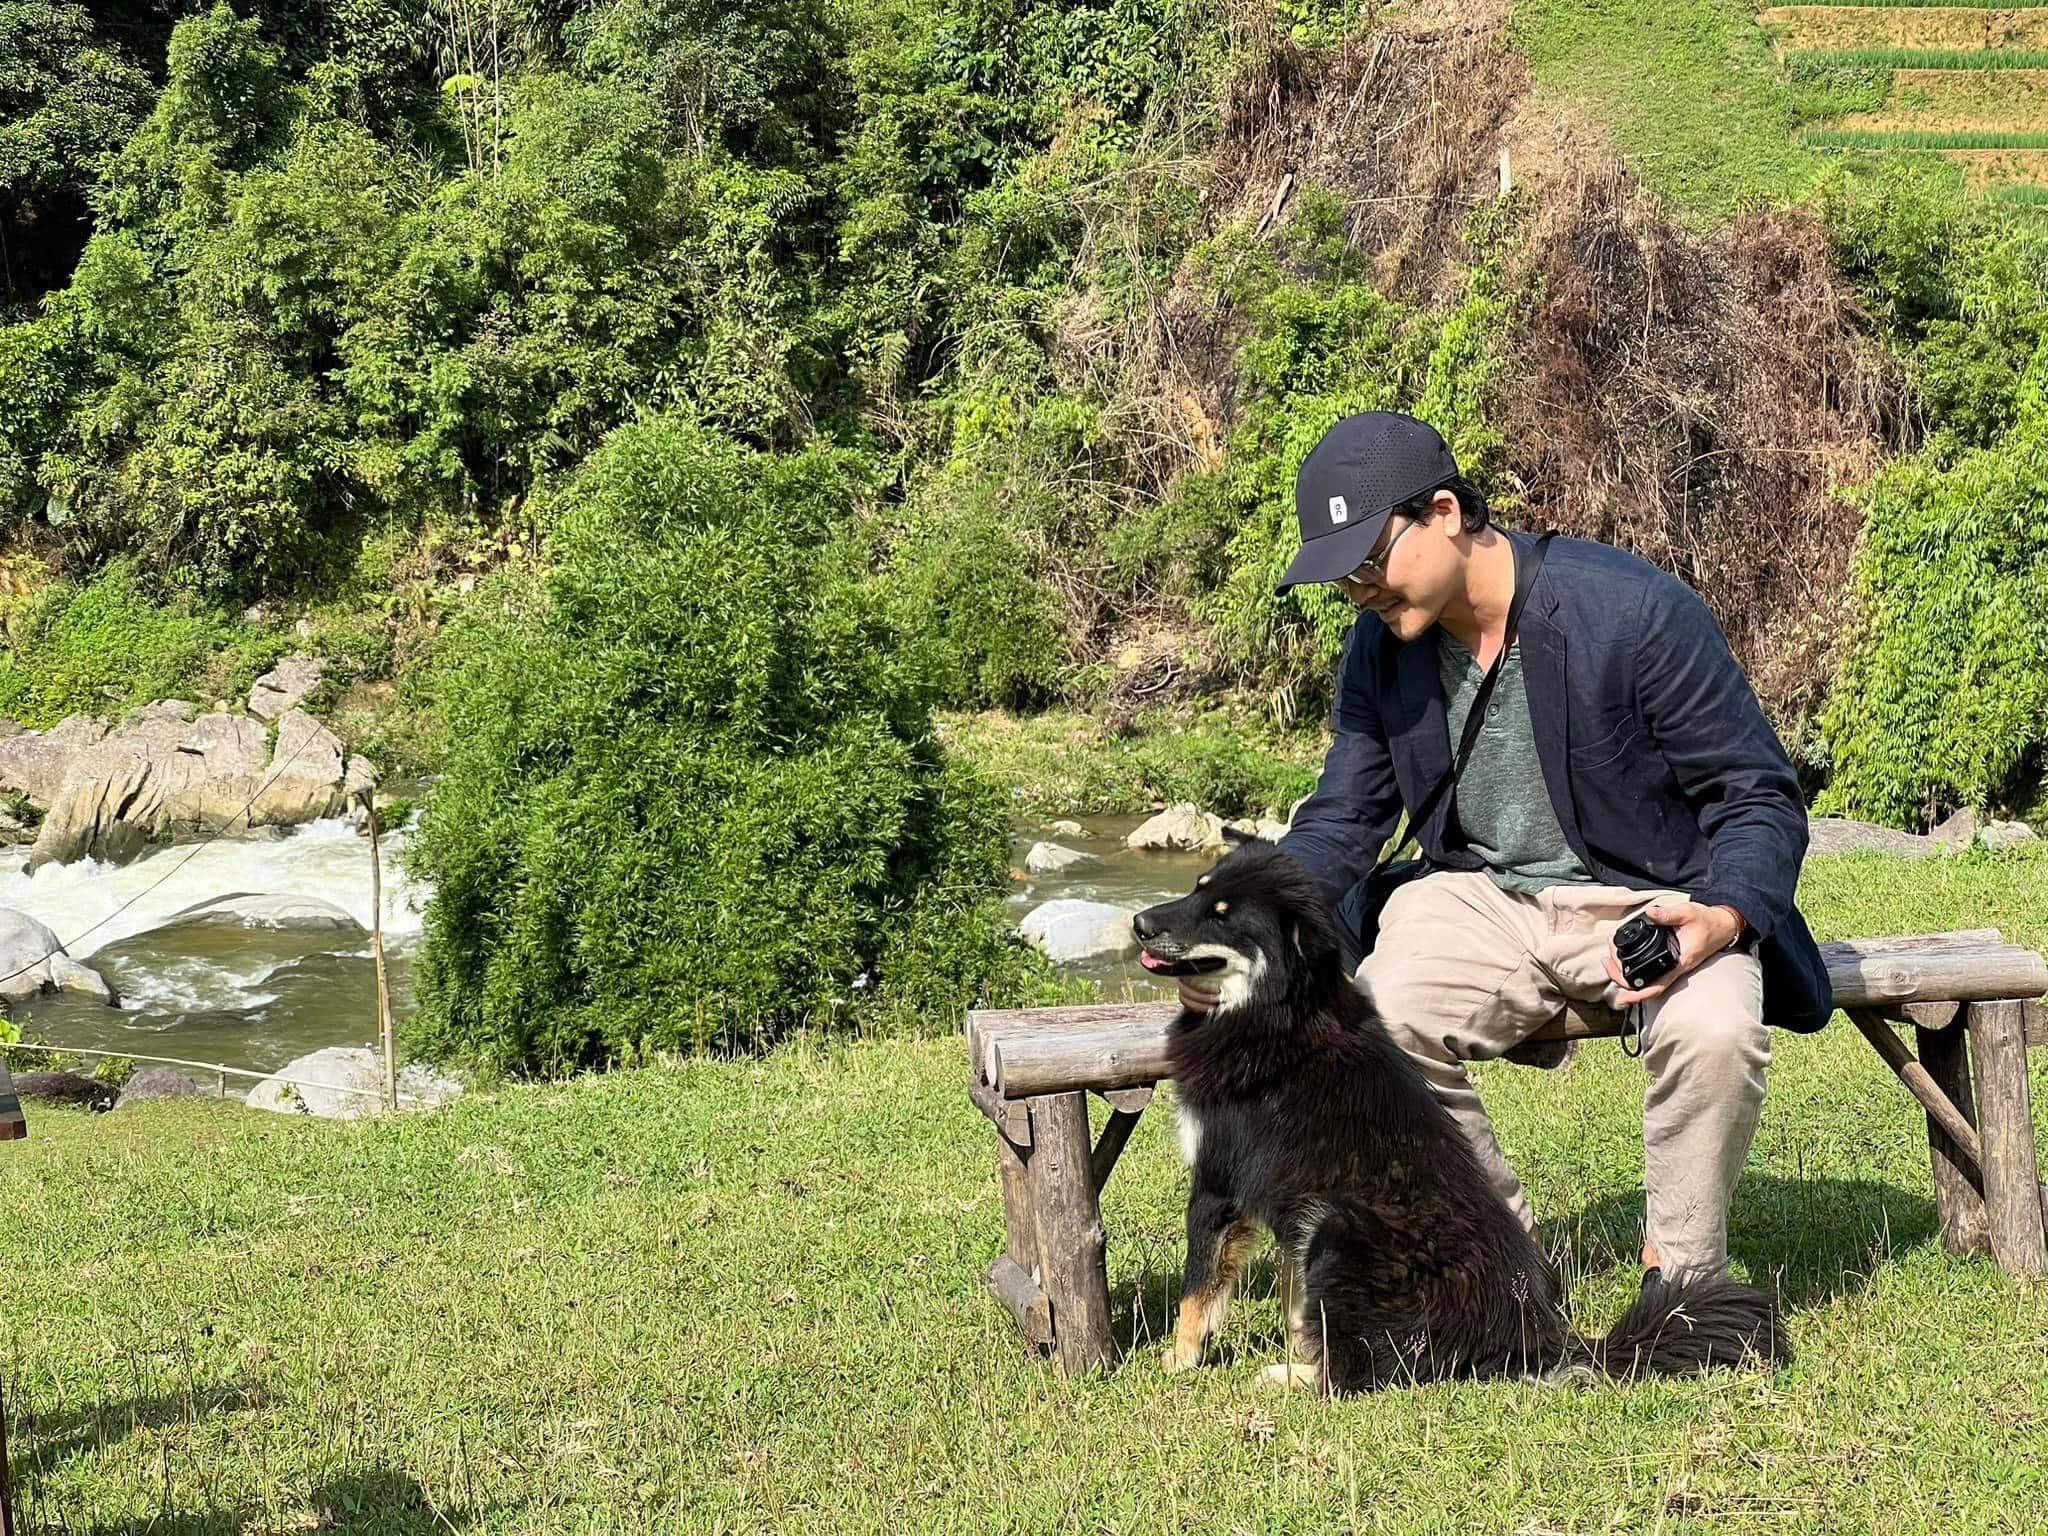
(1659, 762)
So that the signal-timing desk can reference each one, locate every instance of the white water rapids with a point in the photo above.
(241, 996)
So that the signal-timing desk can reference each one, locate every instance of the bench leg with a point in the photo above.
(1945, 1053)
(1014, 1277)
(2005, 1122)
(1073, 1263)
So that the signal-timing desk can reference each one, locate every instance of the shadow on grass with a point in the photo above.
(1812, 1239)
(373, 1502)
(41, 1436)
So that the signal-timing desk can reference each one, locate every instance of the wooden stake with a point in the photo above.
(377, 945)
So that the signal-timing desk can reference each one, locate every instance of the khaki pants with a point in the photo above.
(1463, 971)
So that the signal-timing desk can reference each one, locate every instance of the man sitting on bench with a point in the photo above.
(1622, 763)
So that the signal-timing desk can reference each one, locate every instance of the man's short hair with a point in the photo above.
(1472, 506)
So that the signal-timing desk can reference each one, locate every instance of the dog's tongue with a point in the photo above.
(1150, 961)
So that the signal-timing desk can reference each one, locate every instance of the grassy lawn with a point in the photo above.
(745, 1296)
(1691, 94)
(1064, 762)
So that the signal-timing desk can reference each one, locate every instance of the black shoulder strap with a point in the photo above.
(1523, 586)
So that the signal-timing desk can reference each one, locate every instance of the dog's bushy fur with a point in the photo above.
(1302, 1116)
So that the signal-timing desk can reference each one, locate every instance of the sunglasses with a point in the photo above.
(1374, 567)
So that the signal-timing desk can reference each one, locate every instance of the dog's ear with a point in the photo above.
(1237, 837)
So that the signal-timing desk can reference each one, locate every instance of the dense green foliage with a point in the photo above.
(104, 647)
(1943, 699)
(740, 385)
(693, 796)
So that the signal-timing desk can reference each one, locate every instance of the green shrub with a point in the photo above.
(1320, 353)
(974, 581)
(105, 646)
(1943, 698)
(692, 797)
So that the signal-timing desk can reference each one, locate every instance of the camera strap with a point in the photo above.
(1525, 582)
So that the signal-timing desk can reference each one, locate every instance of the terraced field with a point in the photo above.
(1967, 82)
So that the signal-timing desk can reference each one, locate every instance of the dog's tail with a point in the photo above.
(1693, 1323)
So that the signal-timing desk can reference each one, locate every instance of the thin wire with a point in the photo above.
(63, 946)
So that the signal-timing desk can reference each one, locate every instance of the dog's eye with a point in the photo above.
(1221, 907)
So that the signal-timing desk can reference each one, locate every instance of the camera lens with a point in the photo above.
(1645, 951)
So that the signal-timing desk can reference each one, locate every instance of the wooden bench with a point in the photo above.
(1970, 997)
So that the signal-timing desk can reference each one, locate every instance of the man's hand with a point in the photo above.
(1702, 933)
(1198, 994)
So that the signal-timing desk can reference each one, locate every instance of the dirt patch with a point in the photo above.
(1984, 169)
(1960, 101)
(1853, 26)
(2026, 29)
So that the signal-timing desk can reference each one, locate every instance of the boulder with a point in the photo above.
(1182, 826)
(157, 1083)
(32, 960)
(34, 764)
(1068, 931)
(286, 686)
(1051, 858)
(169, 769)
(347, 1083)
(1839, 834)
(1066, 829)
(244, 909)
(1264, 828)
(306, 775)
(64, 1088)
(1958, 832)
(2006, 834)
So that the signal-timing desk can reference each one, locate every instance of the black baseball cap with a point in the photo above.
(1350, 483)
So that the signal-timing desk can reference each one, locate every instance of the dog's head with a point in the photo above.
(1257, 922)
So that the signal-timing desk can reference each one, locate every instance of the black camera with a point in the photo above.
(1646, 951)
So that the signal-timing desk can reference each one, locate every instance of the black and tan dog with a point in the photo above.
(1299, 1115)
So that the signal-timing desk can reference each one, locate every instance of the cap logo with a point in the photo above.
(1338, 511)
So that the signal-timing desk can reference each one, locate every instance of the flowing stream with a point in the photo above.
(258, 997)
(241, 996)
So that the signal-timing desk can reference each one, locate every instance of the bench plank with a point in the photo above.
(1023, 1052)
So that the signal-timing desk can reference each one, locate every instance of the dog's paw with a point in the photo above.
(1179, 1357)
(1290, 1375)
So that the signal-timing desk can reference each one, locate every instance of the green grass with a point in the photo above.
(744, 1296)
(1691, 93)
(1917, 139)
(1914, 5)
(1067, 763)
(1817, 62)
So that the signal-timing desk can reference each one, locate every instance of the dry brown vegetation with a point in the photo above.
(1984, 169)
(1699, 401)
(1898, 26)
(1695, 399)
